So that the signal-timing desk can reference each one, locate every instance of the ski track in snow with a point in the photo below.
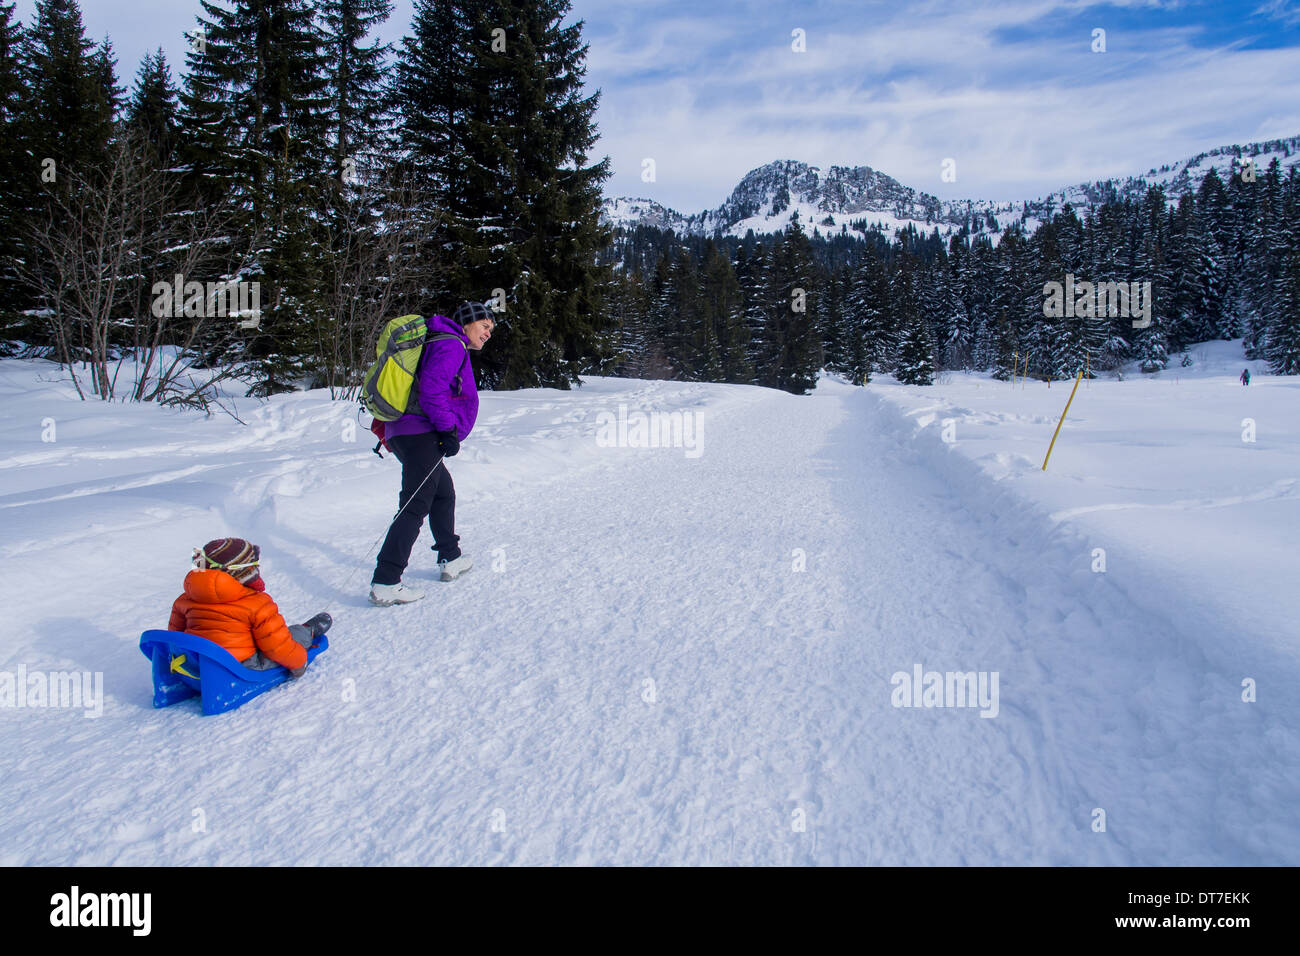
(509, 717)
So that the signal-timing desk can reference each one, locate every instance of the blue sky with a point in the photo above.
(1010, 90)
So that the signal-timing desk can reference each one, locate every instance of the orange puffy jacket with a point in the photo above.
(241, 619)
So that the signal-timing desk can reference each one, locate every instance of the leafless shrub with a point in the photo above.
(103, 238)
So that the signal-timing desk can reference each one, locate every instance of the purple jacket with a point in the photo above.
(440, 409)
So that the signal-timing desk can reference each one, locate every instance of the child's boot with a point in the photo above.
(319, 624)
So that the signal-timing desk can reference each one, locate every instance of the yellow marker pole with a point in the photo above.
(1026, 375)
(1062, 421)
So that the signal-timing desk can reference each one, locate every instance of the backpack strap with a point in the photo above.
(449, 335)
(415, 383)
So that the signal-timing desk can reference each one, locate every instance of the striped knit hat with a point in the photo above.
(235, 556)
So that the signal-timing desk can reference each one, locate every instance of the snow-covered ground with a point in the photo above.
(680, 654)
(1188, 480)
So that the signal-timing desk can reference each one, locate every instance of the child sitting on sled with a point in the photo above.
(225, 601)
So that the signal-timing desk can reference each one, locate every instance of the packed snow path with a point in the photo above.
(658, 658)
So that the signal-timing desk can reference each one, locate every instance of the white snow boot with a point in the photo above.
(454, 568)
(382, 595)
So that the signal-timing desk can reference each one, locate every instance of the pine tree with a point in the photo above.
(706, 351)
(1217, 281)
(11, 77)
(654, 361)
(1266, 236)
(1207, 279)
(20, 182)
(430, 91)
(881, 332)
(1006, 362)
(1068, 234)
(791, 352)
(1013, 295)
(154, 109)
(256, 122)
(980, 299)
(111, 95)
(1046, 339)
(72, 94)
(856, 364)
(1151, 246)
(1283, 348)
(504, 140)
(1082, 336)
(152, 124)
(629, 309)
(916, 352)
(724, 313)
(365, 191)
(752, 273)
(357, 114)
(1243, 313)
(255, 103)
(914, 361)
(1180, 251)
(1153, 348)
(945, 312)
(835, 340)
(775, 300)
(679, 312)
(62, 130)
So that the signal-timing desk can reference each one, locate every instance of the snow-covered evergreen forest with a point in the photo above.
(1223, 263)
(352, 181)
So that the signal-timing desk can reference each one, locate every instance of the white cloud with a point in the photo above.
(1285, 10)
(1006, 87)
(902, 93)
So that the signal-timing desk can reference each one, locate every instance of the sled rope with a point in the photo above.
(384, 533)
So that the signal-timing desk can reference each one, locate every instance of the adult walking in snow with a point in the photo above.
(430, 432)
(1245, 376)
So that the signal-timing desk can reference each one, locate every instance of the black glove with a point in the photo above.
(448, 443)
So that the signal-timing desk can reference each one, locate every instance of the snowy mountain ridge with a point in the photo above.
(768, 197)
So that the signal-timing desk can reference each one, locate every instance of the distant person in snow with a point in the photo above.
(422, 440)
(1245, 376)
(225, 601)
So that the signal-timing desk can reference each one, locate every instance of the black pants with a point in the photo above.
(436, 500)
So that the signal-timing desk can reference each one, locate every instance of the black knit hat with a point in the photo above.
(468, 312)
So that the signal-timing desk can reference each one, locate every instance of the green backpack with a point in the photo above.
(390, 388)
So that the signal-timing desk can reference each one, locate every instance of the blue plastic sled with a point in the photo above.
(185, 665)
